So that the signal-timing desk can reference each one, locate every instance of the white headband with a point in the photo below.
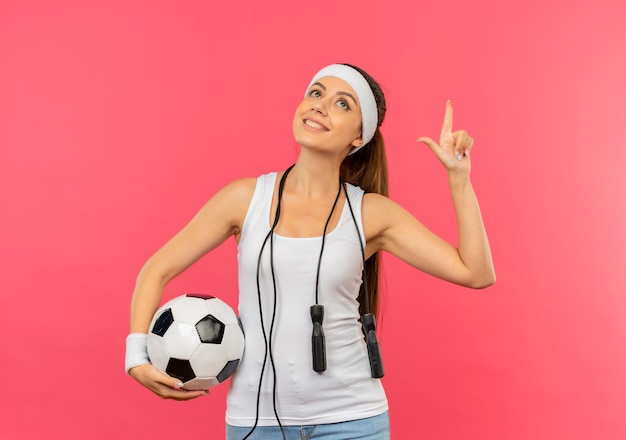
(367, 102)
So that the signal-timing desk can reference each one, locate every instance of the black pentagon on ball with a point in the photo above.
(210, 330)
(163, 322)
(228, 370)
(180, 369)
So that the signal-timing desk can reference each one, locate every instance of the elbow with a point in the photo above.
(152, 273)
(483, 282)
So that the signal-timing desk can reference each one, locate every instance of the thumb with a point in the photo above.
(428, 141)
(439, 152)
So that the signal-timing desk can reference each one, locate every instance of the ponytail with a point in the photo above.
(367, 169)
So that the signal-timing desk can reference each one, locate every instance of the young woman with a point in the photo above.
(308, 241)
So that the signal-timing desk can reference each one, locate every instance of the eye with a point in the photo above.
(315, 93)
(343, 104)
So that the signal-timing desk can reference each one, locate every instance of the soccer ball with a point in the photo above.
(197, 339)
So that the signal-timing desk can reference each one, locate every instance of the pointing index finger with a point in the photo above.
(447, 119)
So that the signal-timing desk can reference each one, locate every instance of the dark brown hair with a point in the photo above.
(367, 168)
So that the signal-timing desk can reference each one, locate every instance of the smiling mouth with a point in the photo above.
(314, 124)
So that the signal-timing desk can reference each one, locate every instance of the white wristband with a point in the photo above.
(136, 350)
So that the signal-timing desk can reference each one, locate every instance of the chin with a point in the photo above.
(306, 140)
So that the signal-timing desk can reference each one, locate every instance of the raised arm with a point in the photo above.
(391, 228)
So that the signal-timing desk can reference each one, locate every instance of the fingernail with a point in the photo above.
(458, 156)
(179, 385)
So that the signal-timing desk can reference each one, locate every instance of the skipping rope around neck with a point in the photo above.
(368, 321)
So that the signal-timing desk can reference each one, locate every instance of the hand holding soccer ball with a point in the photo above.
(195, 342)
(161, 384)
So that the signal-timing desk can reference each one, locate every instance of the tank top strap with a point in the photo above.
(257, 218)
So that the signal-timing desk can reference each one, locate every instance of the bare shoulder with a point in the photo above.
(240, 189)
(374, 200)
(379, 209)
(378, 214)
(237, 191)
(229, 205)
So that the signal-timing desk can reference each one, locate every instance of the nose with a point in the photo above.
(318, 106)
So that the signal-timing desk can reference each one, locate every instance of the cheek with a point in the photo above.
(300, 109)
(352, 127)
(351, 122)
(296, 115)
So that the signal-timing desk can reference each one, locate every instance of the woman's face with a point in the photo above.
(329, 117)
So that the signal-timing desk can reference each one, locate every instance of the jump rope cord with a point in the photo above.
(268, 344)
(358, 233)
(271, 334)
(368, 321)
(319, 261)
(258, 395)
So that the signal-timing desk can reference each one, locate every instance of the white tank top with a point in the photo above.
(346, 390)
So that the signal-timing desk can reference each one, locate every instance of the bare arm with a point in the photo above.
(218, 219)
(393, 229)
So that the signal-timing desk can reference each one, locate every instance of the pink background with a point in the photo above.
(118, 120)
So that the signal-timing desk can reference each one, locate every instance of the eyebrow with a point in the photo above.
(323, 87)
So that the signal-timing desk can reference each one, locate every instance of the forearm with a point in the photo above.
(145, 301)
(473, 244)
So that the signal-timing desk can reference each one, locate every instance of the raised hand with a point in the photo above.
(453, 148)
